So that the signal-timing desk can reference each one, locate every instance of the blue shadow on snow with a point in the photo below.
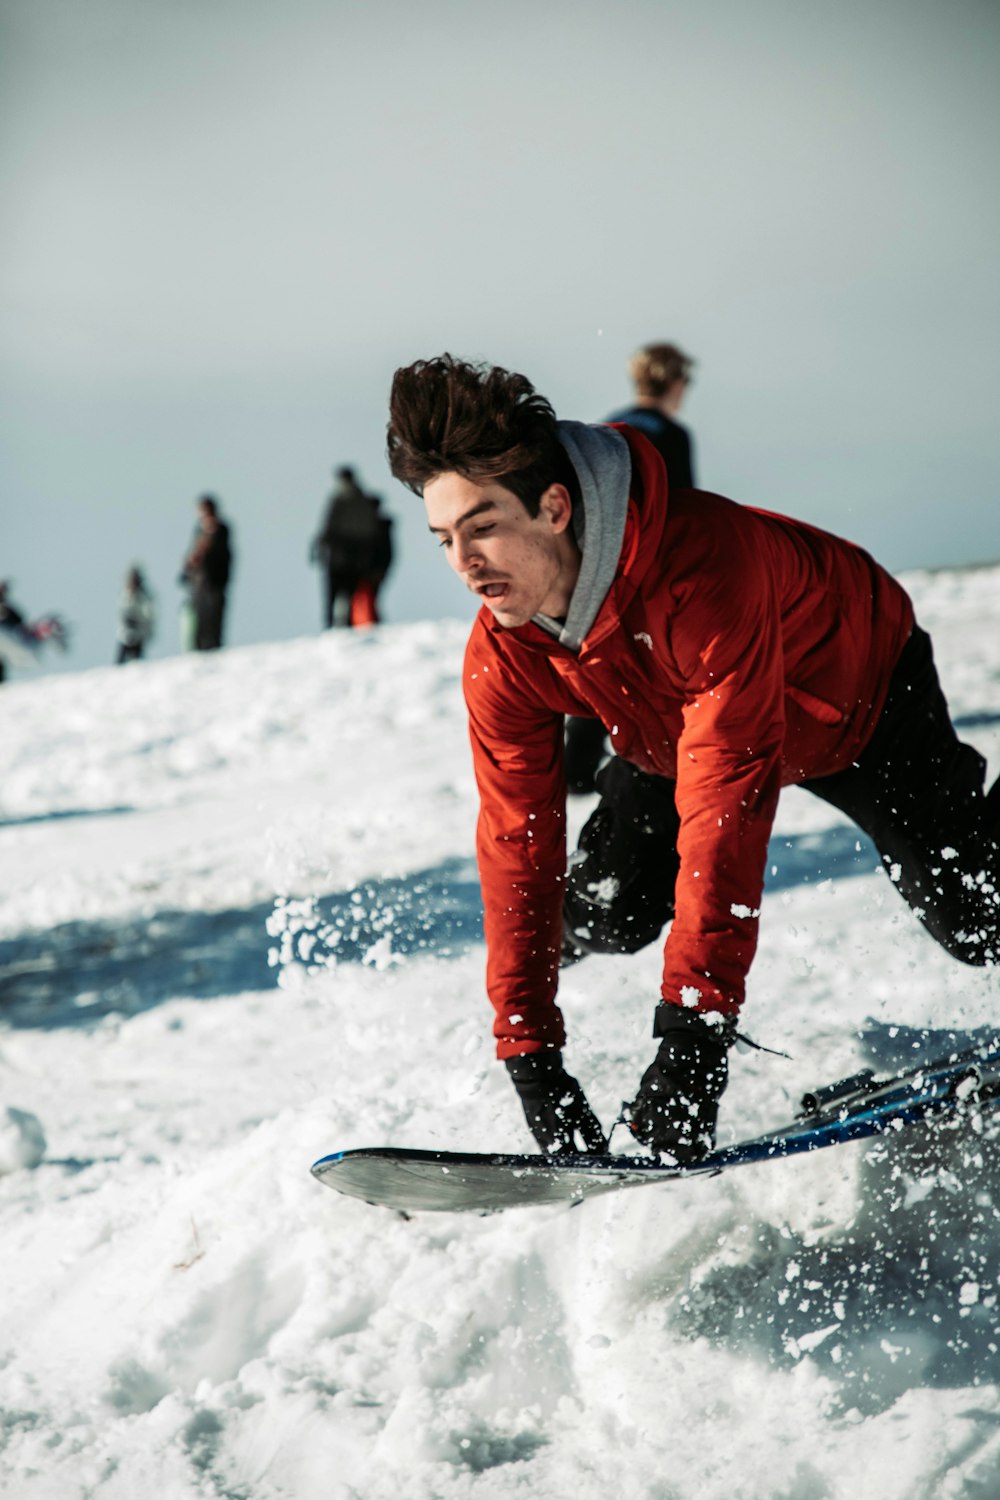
(80, 971)
(63, 815)
(897, 1295)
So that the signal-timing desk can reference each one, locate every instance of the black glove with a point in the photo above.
(678, 1100)
(555, 1106)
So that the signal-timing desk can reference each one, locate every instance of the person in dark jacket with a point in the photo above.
(206, 572)
(365, 608)
(729, 652)
(351, 547)
(661, 374)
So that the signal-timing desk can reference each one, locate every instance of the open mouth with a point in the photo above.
(491, 591)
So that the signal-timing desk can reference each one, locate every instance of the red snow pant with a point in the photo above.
(364, 604)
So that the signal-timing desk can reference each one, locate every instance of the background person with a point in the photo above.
(20, 638)
(206, 573)
(13, 630)
(365, 607)
(136, 618)
(661, 375)
(350, 547)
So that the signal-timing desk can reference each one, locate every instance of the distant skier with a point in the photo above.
(136, 618)
(729, 652)
(661, 375)
(206, 573)
(354, 548)
(21, 639)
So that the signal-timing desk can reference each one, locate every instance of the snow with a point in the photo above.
(240, 928)
(22, 1139)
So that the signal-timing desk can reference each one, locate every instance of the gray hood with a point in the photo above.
(603, 466)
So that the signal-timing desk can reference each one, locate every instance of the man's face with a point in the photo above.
(517, 565)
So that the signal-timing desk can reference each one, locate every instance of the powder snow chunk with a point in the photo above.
(603, 892)
(647, 640)
(690, 995)
(968, 1293)
(22, 1140)
(380, 954)
(739, 910)
(949, 853)
(810, 1341)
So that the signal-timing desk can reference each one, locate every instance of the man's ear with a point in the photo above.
(557, 507)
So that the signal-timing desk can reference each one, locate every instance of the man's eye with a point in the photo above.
(445, 541)
(484, 530)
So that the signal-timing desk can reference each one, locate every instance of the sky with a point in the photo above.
(225, 224)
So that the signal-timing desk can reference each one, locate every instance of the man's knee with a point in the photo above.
(620, 883)
(956, 898)
(608, 911)
(593, 929)
(635, 803)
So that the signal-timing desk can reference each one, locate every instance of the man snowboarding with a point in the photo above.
(729, 652)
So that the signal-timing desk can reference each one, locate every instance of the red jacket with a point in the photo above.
(736, 652)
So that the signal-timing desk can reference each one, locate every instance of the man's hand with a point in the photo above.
(555, 1106)
(678, 1100)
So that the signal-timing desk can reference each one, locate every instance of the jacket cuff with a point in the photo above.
(530, 1067)
(668, 1019)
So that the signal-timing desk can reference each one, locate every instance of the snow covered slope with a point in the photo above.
(240, 928)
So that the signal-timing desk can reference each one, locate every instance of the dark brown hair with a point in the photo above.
(447, 416)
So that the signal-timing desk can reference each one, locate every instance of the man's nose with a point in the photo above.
(465, 556)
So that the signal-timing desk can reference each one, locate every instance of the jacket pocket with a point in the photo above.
(816, 708)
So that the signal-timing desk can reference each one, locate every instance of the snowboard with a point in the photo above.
(854, 1108)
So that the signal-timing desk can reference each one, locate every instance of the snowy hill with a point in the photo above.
(240, 928)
